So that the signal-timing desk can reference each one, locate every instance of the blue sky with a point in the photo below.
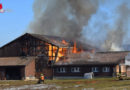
(14, 23)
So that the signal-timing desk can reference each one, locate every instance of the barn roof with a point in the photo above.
(55, 40)
(51, 39)
(94, 58)
(15, 61)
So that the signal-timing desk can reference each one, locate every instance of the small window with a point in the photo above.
(106, 69)
(75, 69)
(61, 70)
(95, 69)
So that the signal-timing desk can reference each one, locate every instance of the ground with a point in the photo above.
(68, 84)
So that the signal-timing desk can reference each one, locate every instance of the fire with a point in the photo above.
(59, 54)
(53, 50)
(75, 49)
(64, 42)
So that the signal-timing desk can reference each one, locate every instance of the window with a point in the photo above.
(75, 69)
(61, 70)
(95, 69)
(106, 69)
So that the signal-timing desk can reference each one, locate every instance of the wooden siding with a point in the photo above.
(25, 45)
(83, 70)
(2, 74)
(30, 69)
(128, 71)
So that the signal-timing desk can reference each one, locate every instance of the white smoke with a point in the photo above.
(108, 27)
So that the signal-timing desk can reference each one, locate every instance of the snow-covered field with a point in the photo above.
(33, 87)
(41, 87)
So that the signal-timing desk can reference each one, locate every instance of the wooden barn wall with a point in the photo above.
(25, 46)
(43, 67)
(10, 50)
(83, 70)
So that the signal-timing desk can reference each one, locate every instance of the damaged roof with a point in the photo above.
(86, 58)
(15, 61)
(51, 39)
(56, 40)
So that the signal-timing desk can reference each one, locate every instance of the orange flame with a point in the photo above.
(62, 51)
(75, 49)
(64, 42)
(53, 50)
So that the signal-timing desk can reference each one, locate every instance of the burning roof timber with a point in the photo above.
(64, 42)
(87, 58)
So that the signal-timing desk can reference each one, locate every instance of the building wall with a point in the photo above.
(2, 74)
(14, 48)
(128, 71)
(47, 71)
(23, 73)
(83, 70)
(28, 45)
(25, 45)
(30, 70)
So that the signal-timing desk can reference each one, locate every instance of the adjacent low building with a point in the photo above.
(16, 68)
(102, 64)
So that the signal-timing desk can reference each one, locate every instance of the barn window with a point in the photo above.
(61, 70)
(95, 69)
(75, 69)
(106, 69)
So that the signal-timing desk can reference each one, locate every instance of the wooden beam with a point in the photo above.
(56, 55)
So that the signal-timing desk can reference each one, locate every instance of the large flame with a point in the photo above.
(53, 50)
(62, 51)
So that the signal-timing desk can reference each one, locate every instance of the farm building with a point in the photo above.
(15, 68)
(21, 52)
(102, 64)
(29, 55)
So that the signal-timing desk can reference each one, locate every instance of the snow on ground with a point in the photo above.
(33, 87)
(41, 87)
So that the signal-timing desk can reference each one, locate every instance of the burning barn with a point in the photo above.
(21, 50)
(29, 55)
(42, 50)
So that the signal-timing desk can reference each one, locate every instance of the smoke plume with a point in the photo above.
(108, 28)
(102, 23)
(61, 17)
